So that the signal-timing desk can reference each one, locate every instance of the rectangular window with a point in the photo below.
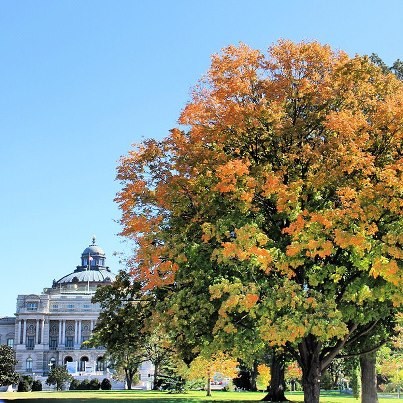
(69, 342)
(53, 343)
(10, 342)
(32, 306)
(86, 306)
(70, 306)
(55, 306)
(30, 343)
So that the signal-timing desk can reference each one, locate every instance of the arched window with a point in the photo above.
(100, 364)
(29, 364)
(68, 359)
(52, 363)
(83, 361)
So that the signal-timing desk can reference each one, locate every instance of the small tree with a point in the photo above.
(202, 367)
(264, 376)
(58, 376)
(7, 363)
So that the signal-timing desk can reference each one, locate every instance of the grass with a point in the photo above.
(122, 396)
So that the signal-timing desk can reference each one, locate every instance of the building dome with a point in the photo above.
(83, 276)
(91, 273)
(93, 250)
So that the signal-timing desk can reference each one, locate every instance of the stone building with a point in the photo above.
(49, 328)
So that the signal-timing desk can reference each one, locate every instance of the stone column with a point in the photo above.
(24, 331)
(63, 331)
(75, 331)
(79, 332)
(60, 332)
(19, 331)
(37, 332)
(43, 331)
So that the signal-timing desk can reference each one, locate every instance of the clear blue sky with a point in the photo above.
(80, 81)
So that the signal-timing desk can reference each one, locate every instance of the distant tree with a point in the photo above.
(396, 68)
(120, 324)
(206, 367)
(8, 376)
(58, 376)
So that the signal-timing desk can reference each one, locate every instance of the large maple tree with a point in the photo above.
(276, 207)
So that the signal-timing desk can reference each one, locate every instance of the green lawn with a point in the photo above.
(151, 396)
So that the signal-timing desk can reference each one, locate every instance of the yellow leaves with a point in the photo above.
(388, 269)
(346, 240)
(247, 245)
(263, 379)
(205, 367)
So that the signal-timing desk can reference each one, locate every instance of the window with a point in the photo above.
(53, 343)
(55, 306)
(68, 359)
(83, 362)
(30, 343)
(29, 364)
(86, 306)
(10, 342)
(69, 342)
(100, 364)
(32, 306)
(70, 306)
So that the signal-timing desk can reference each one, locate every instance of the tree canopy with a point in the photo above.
(281, 194)
(8, 376)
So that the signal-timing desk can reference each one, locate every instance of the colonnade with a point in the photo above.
(40, 331)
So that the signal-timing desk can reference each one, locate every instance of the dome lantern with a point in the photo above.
(93, 256)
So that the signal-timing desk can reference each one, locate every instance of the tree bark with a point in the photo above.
(368, 378)
(310, 349)
(156, 370)
(208, 384)
(253, 377)
(129, 378)
(277, 382)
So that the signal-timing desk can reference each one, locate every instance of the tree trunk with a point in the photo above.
(208, 384)
(311, 369)
(253, 377)
(129, 378)
(277, 383)
(156, 369)
(368, 378)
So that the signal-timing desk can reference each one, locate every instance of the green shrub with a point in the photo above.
(84, 385)
(74, 384)
(94, 384)
(106, 384)
(23, 386)
(36, 386)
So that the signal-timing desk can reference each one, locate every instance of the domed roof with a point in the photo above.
(91, 272)
(93, 249)
(83, 276)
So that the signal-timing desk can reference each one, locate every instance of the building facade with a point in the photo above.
(49, 328)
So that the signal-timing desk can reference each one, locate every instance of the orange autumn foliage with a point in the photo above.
(281, 194)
